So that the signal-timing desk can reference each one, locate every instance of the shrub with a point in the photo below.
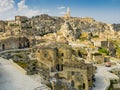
(103, 50)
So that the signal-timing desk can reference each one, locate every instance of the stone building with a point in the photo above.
(19, 19)
(59, 60)
(54, 56)
(87, 19)
(97, 58)
(2, 26)
(13, 42)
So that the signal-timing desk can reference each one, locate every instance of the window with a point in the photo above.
(62, 67)
(45, 55)
(62, 54)
(58, 67)
(72, 73)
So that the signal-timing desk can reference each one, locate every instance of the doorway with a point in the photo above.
(3, 47)
(58, 67)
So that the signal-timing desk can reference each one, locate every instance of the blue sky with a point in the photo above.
(102, 10)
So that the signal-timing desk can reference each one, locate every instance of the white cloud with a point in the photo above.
(6, 5)
(60, 8)
(23, 9)
(21, 5)
(9, 11)
(45, 11)
(62, 12)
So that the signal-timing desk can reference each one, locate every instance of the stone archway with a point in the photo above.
(24, 42)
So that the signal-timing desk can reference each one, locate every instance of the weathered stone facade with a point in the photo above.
(97, 58)
(13, 43)
(59, 59)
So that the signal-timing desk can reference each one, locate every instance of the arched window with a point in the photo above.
(62, 54)
(72, 73)
(72, 83)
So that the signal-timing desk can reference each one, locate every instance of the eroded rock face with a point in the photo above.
(45, 24)
(69, 32)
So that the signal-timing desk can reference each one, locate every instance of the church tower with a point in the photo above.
(67, 15)
(68, 12)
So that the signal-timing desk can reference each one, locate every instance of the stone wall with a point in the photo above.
(76, 77)
(12, 42)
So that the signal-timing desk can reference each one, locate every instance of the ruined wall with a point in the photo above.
(47, 56)
(80, 81)
(12, 42)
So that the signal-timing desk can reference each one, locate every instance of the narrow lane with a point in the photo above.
(102, 77)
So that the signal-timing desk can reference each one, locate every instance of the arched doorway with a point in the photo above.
(83, 85)
(72, 83)
(58, 67)
(79, 54)
(3, 46)
(23, 42)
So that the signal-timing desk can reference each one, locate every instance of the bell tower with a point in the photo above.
(67, 15)
(68, 12)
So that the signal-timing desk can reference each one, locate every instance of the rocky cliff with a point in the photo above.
(44, 24)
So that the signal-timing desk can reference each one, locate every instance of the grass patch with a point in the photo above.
(103, 50)
(22, 64)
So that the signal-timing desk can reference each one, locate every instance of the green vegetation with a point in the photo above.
(103, 50)
(117, 45)
(14, 25)
(83, 51)
(110, 88)
(22, 64)
(24, 21)
(80, 87)
(83, 38)
(19, 55)
(96, 36)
